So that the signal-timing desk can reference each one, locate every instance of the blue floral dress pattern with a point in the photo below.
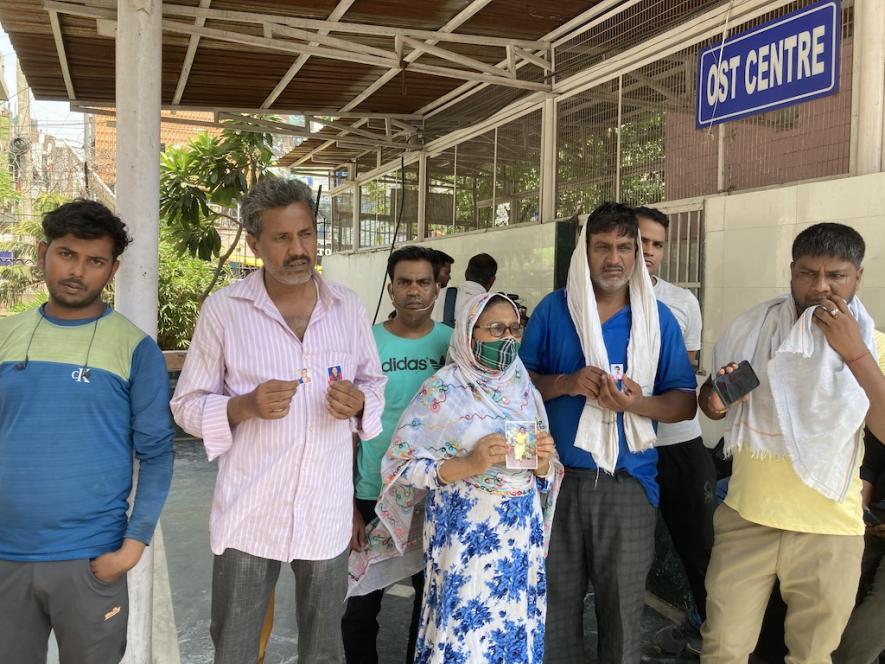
(485, 589)
(481, 541)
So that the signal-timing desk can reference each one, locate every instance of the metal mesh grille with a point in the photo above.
(587, 151)
(661, 155)
(625, 29)
(801, 142)
(474, 182)
(380, 201)
(439, 211)
(339, 177)
(341, 219)
(518, 170)
(367, 162)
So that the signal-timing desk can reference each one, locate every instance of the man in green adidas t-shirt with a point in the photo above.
(412, 347)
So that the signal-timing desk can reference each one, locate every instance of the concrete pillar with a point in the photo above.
(138, 78)
(869, 78)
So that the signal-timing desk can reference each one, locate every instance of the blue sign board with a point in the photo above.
(789, 60)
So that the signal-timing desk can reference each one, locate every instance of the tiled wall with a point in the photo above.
(525, 255)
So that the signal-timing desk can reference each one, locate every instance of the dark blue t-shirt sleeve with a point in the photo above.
(152, 434)
(534, 348)
(674, 369)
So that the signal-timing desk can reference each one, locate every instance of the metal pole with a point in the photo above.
(422, 196)
(138, 78)
(618, 155)
(548, 160)
(869, 57)
(720, 158)
(355, 218)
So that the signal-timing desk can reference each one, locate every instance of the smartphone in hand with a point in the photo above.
(732, 387)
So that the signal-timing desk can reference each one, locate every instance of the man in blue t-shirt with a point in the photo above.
(83, 392)
(603, 531)
(412, 347)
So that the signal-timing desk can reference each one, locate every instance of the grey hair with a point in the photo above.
(272, 192)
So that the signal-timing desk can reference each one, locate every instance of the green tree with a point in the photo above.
(201, 185)
(182, 283)
(21, 283)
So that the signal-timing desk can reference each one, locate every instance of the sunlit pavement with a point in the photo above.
(185, 526)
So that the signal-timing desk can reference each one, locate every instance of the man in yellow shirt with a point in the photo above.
(793, 511)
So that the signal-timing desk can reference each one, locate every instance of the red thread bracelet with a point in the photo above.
(859, 357)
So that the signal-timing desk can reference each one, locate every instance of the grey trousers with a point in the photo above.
(603, 532)
(89, 617)
(241, 589)
(864, 637)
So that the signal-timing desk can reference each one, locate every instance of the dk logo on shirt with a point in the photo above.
(412, 364)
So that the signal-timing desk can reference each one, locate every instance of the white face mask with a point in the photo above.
(398, 306)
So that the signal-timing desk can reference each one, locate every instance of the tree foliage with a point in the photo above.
(201, 185)
(182, 282)
(21, 283)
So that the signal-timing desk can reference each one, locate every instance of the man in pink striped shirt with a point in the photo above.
(255, 388)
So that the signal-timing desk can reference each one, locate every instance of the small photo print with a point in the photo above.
(335, 375)
(304, 376)
(522, 444)
(617, 372)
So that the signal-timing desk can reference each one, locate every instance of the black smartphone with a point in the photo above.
(732, 386)
(871, 519)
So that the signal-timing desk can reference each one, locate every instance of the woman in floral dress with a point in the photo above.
(485, 527)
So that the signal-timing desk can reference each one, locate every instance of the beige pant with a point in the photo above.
(818, 580)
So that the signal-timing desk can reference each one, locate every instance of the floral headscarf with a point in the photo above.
(454, 409)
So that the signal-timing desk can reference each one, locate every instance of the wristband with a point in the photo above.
(859, 357)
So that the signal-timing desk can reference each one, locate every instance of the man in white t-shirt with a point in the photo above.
(686, 474)
(479, 278)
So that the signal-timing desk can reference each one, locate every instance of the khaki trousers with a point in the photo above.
(818, 580)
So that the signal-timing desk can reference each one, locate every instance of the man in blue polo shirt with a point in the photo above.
(609, 361)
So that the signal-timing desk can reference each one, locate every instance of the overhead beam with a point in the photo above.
(451, 56)
(331, 112)
(347, 142)
(649, 83)
(302, 59)
(62, 56)
(333, 42)
(536, 60)
(349, 56)
(353, 28)
(239, 124)
(461, 17)
(601, 11)
(350, 129)
(276, 44)
(448, 72)
(189, 57)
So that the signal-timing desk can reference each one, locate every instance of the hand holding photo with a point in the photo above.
(617, 374)
(335, 375)
(522, 444)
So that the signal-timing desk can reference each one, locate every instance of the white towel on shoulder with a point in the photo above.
(808, 406)
(598, 428)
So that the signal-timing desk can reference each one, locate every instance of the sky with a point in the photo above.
(53, 117)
